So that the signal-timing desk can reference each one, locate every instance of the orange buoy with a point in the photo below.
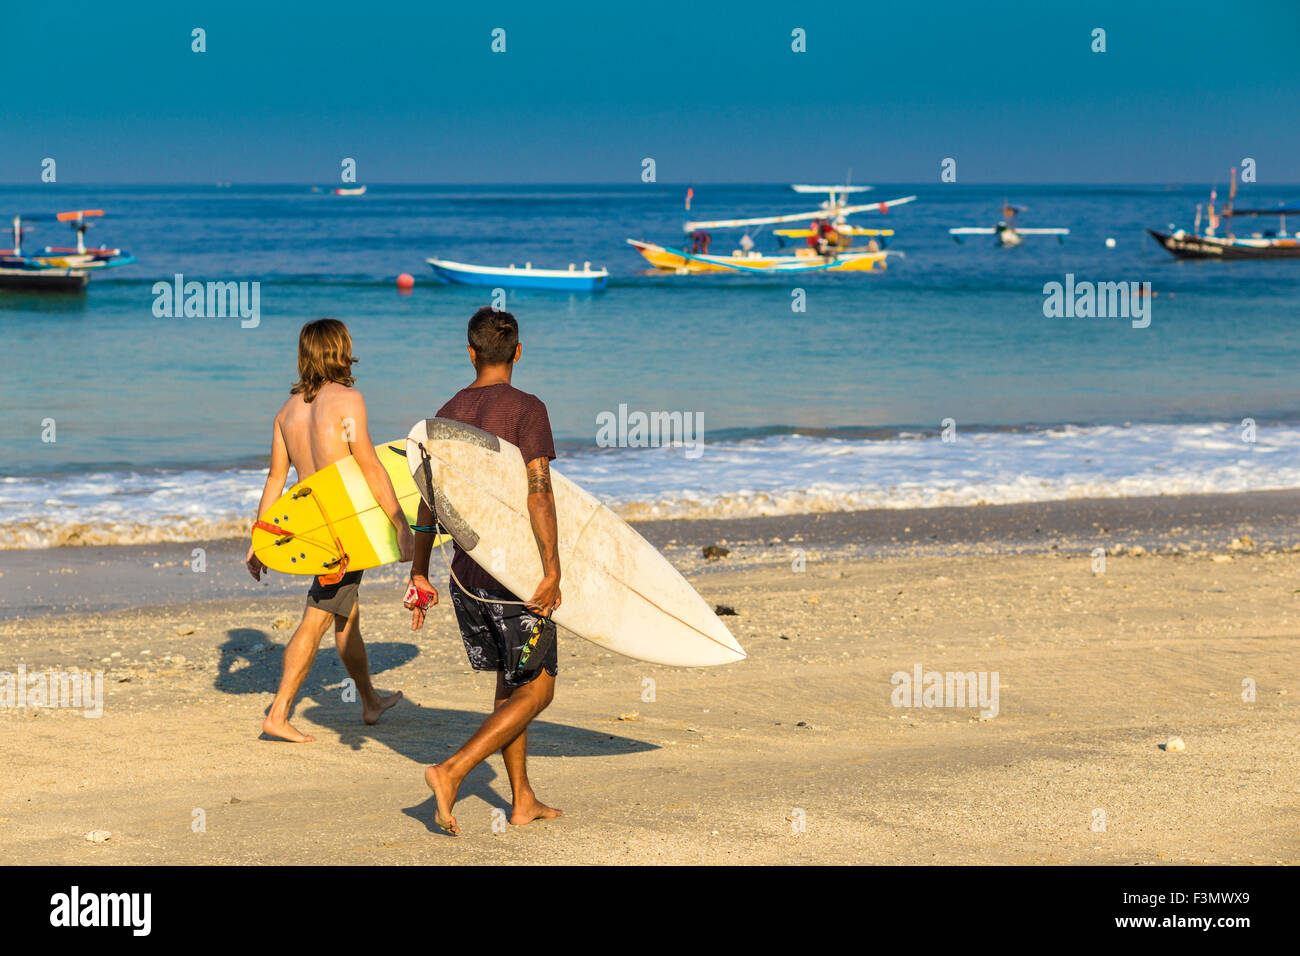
(405, 283)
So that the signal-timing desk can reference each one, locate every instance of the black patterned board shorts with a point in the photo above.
(495, 633)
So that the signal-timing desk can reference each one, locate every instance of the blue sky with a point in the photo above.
(712, 92)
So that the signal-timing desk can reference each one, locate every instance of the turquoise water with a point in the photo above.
(948, 331)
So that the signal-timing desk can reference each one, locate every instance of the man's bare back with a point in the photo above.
(316, 434)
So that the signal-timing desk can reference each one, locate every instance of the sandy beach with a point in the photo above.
(796, 755)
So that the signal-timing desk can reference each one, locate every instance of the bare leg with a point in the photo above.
(526, 807)
(352, 651)
(298, 657)
(504, 724)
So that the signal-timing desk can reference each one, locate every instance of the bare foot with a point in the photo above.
(285, 731)
(532, 809)
(445, 794)
(371, 714)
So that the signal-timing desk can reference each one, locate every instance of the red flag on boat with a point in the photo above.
(884, 207)
(690, 193)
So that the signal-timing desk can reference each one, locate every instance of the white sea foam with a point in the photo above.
(788, 474)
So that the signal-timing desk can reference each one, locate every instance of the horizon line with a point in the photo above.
(631, 185)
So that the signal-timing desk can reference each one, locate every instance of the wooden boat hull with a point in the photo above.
(559, 280)
(1191, 246)
(670, 260)
(43, 280)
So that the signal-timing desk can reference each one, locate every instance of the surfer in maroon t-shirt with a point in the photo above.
(496, 625)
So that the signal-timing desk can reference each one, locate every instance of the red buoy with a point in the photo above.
(405, 283)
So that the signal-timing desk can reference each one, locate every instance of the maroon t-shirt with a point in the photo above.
(510, 414)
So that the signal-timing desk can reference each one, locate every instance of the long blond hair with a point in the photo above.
(324, 355)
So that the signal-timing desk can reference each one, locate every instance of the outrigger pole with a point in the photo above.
(834, 212)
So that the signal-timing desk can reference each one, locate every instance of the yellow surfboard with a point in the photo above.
(331, 522)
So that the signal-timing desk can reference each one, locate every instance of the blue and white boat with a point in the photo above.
(571, 279)
(58, 268)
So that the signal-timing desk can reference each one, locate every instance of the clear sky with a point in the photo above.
(711, 91)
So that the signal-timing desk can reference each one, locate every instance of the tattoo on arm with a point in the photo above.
(539, 477)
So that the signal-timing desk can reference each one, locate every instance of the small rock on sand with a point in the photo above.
(184, 630)
(715, 551)
(631, 715)
(98, 836)
(1175, 745)
(722, 610)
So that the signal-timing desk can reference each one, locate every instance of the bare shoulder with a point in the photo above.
(290, 404)
(343, 397)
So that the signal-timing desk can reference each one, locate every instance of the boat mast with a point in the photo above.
(1232, 194)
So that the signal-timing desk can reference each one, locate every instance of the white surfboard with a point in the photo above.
(618, 591)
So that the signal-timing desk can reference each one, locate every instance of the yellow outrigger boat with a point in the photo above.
(681, 261)
(831, 254)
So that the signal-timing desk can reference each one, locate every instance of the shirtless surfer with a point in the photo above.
(324, 421)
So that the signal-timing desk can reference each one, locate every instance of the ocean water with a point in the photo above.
(161, 425)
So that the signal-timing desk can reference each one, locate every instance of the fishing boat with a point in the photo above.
(572, 279)
(685, 261)
(1007, 233)
(57, 268)
(352, 191)
(1266, 244)
(828, 239)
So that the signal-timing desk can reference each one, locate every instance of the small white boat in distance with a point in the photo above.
(1007, 233)
(356, 191)
(571, 279)
(804, 188)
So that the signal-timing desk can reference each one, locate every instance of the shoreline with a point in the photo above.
(40, 582)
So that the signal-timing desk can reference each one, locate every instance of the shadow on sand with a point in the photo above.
(422, 733)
